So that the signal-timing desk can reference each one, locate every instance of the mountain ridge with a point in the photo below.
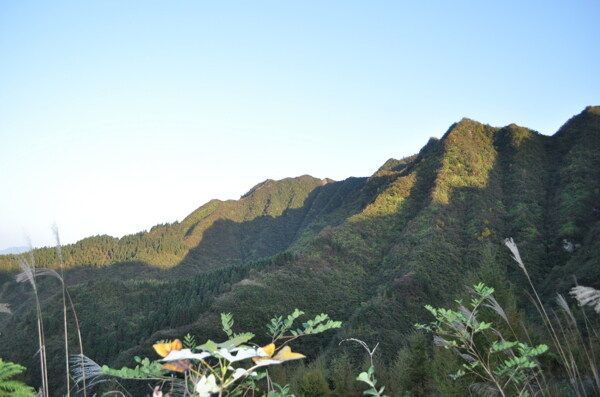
(463, 129)
(14, 250)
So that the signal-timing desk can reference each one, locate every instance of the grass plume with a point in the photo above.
(28, 274)
(5, 308)
(575, 353)
(587, 296)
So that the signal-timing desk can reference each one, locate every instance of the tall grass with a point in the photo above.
(64, 293)
(509, 367)
(574, 346)
(29, 274)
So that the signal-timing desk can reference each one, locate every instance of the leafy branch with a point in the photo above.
(214, 368)
(459, 331)
(279, 327)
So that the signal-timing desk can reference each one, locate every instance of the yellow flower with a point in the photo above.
(163, 349)
(177, 366)
(285, 354)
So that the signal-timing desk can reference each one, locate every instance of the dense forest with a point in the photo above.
(371, 252)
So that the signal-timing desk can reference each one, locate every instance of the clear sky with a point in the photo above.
(119, 115)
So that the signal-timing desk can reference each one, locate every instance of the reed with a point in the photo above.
(29, 274)
(575, 347)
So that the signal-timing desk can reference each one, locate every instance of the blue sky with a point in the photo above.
(118, 115)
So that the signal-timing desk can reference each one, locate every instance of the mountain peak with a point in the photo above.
(465, 127)
(257, 187)
(589, 113)
(270, 183)
(585, 123)
(465, 131)
(466, 122)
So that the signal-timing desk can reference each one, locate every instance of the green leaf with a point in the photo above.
(189, 341)
(227, 322)
(458, 374)
(148, 369)
(11, 387)
(209, 346)
(236, 341)
(500, 346)
(363, 377)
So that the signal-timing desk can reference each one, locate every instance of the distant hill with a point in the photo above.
(369, 251)
(14, 250)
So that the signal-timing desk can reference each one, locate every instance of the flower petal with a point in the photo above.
(185, 354)
(241, 353)
(266, 361)
(239, 372)
(163, 349)
(269, 349)
(265, 352)
(286, 354)
(207, 385)
(177, 366)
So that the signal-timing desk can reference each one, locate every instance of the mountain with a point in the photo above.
(264, 222)
(369, 251)
(14, 250)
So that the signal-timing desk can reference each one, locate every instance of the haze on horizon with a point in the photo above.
(115, 116)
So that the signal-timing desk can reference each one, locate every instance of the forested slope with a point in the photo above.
(261, 223)
(368, 251)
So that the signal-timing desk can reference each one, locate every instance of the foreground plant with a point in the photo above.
(230, 368)
(11, 387)
(506, 368)
(574, 347)
(29, 274)
(368, 377)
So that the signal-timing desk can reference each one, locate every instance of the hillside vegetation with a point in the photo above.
(369, 251)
